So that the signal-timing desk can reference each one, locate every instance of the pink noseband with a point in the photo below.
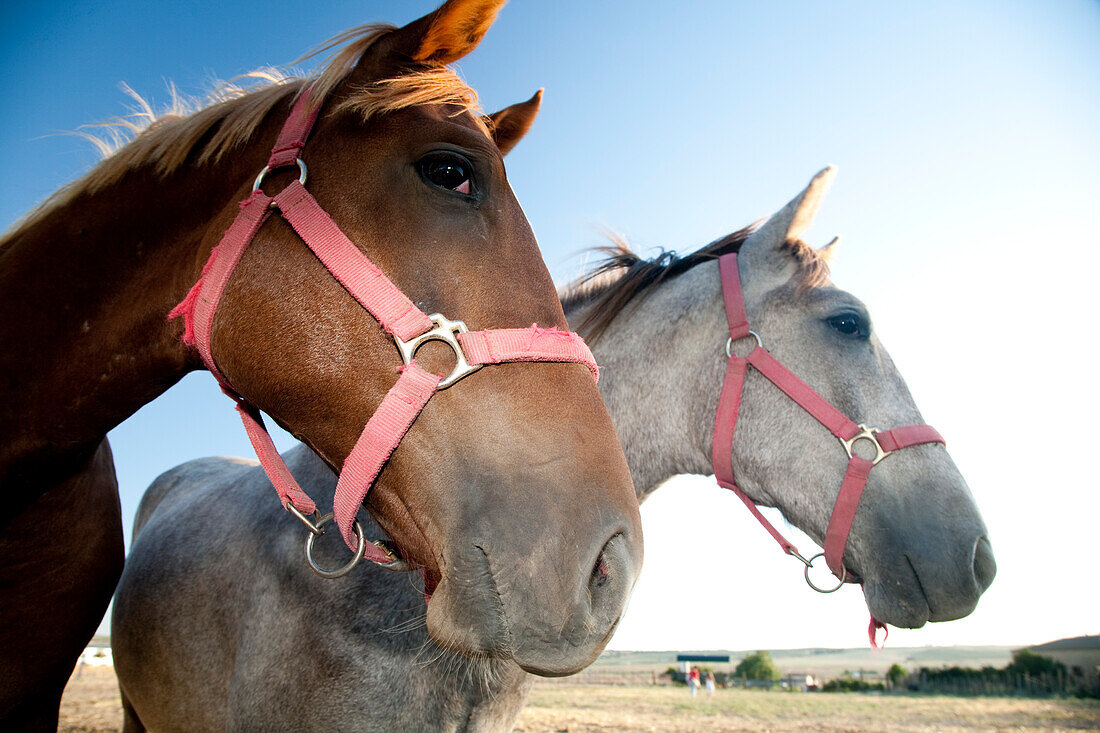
(836, 422)
(397, 315)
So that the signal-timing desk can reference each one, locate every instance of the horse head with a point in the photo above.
(917, 542)
(510, 489)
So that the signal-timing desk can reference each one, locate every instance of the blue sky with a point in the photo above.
(968, 197)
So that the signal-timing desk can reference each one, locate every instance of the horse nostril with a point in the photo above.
(609, 571)
(599, 574)
(985, 567)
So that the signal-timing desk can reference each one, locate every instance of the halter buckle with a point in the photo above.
(865, 433)
(446, 331)
(313, 525)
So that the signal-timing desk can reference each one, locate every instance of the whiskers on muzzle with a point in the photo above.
(482, 674)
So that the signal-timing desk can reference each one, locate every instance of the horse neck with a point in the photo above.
(85, 288)
(657, 378)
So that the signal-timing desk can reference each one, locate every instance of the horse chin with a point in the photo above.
(900, 604)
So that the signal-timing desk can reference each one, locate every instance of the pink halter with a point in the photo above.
(397, 315)
(847, 431)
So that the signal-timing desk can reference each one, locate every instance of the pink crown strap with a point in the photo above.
(359, 276)
(526, 344)
(731, 295)
(292, 137)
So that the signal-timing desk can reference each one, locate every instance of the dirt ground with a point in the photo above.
(91, 705)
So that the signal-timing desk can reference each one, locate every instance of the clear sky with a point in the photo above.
(969, 197)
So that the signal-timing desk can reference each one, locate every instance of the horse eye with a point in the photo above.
(851, 325)
(449, 171)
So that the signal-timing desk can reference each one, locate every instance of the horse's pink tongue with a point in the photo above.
(872, 632)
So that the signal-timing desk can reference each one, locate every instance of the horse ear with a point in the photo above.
(761, 251)
(510, 124)
(448, 33)
(830, 250)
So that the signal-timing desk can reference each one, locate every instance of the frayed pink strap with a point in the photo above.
(199, 306)
(359, 276)
(503, 345)
(272, 462)
(385, 429)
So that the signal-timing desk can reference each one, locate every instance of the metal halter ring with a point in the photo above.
(359, 550)
(865, 433)
(446, 331)
(810, 563)
(729, 343)
(302, 174)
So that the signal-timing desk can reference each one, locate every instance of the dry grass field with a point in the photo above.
(588, 709)
(91, 706)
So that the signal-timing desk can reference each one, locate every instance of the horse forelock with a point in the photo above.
(813, 265)
(210, 127)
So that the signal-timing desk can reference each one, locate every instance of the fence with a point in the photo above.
(1003, 683)
(595, 677)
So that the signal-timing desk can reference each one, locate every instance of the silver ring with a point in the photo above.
(302, 174)
(810, 564)
(339, 571)
(729, 343)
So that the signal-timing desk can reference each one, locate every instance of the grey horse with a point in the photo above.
(219, 624)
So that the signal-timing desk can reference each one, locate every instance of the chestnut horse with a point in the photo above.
(202, 638)
(515, 463)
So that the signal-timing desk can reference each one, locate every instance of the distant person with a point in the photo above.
(693, 680)
(710, 684)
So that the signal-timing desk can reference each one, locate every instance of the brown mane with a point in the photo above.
(623, 279)
(226, 119)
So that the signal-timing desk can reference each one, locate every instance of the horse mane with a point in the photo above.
(206, 130)
(623, 279)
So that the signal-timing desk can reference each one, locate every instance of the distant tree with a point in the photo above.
(896, 674)
(757, 666)
(1025, 661)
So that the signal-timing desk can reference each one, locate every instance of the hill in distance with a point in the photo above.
(826, 663)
